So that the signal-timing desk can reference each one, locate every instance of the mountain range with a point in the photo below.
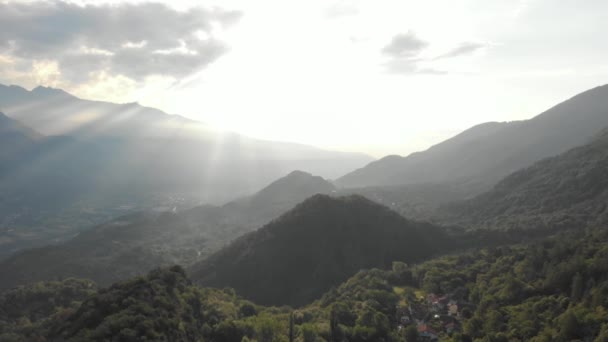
(132, 244)
(74, 163)
(517, 258)
(482, 155)
(324, 240)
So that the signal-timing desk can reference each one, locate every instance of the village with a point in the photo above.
(432, 314)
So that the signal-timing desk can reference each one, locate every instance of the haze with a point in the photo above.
(378, 77)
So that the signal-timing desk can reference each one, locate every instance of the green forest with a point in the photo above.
(553, 289)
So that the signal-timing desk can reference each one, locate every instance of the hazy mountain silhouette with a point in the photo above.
(16, 130)
(484, 154)
(273, 200)
(316, 245)
(15, 137)
(101, 160)
(170, 138)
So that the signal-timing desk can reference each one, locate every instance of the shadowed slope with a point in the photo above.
(318, 244)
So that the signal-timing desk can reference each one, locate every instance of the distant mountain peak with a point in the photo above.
(295, 184)
(298, 173)
(49, 90)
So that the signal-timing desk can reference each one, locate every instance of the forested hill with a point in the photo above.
(318, 244)
(566, 191)
(133, 244)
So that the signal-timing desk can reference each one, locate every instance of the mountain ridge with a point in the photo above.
(487, 152)
(565, 191)
(111, 156)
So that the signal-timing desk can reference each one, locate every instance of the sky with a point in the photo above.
(380, 77)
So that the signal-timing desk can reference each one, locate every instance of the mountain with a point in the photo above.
(15, 137)
(275, 199)
(148, 130)
(484, 154)
(566, 191)
(15, 130)
(133, 244)
(37, 174)
(100, 160)
(318, 244)
(415, 201)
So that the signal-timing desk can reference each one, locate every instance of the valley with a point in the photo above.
(305, 258)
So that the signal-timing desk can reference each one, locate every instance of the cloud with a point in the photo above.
(465, 48)
(403, 52)
(404, 45)
(131, 40)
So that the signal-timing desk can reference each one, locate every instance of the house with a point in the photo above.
(426, 333)
(453, 308)
(435, 302)
(450, 327)
(432, 298)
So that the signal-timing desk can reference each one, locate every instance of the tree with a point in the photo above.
(569, 326)
(577, 287)
(333, 326)
(291, 332)
(411, 334)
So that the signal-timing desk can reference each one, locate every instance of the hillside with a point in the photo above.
(163, 305)
(133, 244)
(316, 245)
(102, 160)
(10, 128)
(484, 154)
(26, 311)
(566, 191)
(555, 289)
(14, 139)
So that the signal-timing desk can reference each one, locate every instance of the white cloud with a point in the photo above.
(132, 40)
